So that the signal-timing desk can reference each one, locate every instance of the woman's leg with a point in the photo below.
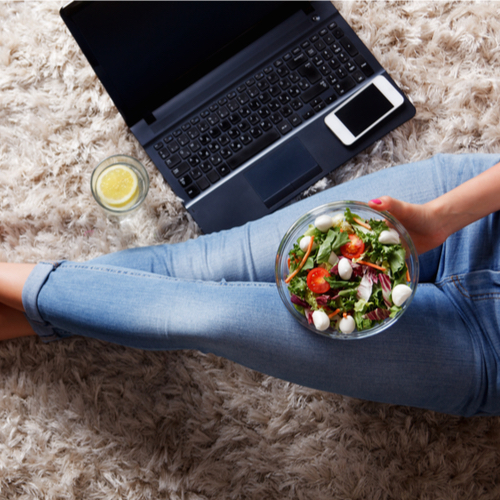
(434, 357)
(248, 253)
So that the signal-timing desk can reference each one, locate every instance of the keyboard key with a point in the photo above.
(276, 118)
(349, 46)
(158, 145)
(234, 118)
(223, 170)
(338, 33)
(344, 86)
(194, 133)
(213, 119)
(308, 114)
(273, 78)
(297, 61)
(172, 161)
(295, 120)
(285, 127)
(164, 154)
(173, 147)
(265, 125)
(233, 105)
(363, 65)
(214, 132)
(203, 183)
(184, 153)
(194, 146)
(223, 112)
(253, 148)
(255, 132)
(226, 153)
(286, 111)
(181, 169)
(206, 166)
(194, 161)
(204, 154)
(236, 146)
(216, 159)
(314, 91)
(203, 126)
(246, 139)
(275, 90)
(358, 76)
(196, 173)
(310, 72)
(204, 139)
(213, 176)
(265, 97)
(185, 180)
(224, 125)
(253, 92)
(192, 191)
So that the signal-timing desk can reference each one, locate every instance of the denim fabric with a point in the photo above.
(217, 294)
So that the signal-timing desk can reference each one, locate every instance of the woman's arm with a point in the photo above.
(431, 223)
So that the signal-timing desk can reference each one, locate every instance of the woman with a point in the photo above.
(217, 294)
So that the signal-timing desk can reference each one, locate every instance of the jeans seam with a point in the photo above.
(223, 282)
(455, 280)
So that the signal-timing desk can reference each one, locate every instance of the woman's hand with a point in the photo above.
(426, 230)
(431, 223)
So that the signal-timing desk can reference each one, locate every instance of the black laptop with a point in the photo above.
(230, 99)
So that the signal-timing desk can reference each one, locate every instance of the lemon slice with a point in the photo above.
(118, 186)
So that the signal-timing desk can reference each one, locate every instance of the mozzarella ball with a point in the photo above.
(337, 220)
(390, 236)
(304, 243)
(333, 259)
(321, 320)
(345, 269)
(400, 294)
(347, 324)
(323, 223)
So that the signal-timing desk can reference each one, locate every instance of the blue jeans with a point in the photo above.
(217, 294)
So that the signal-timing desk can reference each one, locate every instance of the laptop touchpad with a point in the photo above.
(281, 172)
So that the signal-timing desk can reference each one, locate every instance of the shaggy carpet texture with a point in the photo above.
(82, 419)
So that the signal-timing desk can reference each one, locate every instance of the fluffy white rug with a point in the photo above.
(86, 420)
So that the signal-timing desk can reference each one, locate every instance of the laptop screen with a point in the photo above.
(145, 53)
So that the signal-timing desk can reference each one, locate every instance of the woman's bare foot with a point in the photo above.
(13, 324)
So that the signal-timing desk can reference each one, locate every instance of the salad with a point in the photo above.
(347, 273)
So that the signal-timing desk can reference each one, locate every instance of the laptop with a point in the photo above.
(236, 102)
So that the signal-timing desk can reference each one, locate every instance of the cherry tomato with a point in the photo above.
(316, 280)
(354, 249)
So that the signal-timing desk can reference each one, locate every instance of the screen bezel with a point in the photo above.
(144, 110)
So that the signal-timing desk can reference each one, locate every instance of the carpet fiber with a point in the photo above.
(86, 420)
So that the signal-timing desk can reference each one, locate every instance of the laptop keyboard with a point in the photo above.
(261, 110)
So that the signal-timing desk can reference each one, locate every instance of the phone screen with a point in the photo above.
(366, 108)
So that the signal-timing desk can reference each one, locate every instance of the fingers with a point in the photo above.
(382, 203)
(399, 209)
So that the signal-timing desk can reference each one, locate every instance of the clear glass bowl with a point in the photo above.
(332, 209)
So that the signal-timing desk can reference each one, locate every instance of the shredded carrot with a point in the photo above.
(334, 313)
(380, 268)
(408, 275)
(304, 259)
(361, 223)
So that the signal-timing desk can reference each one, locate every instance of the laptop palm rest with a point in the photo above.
(281, 172)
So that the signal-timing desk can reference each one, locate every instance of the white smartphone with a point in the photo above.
(361, 112)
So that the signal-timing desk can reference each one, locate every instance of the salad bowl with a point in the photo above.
(373, 308)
